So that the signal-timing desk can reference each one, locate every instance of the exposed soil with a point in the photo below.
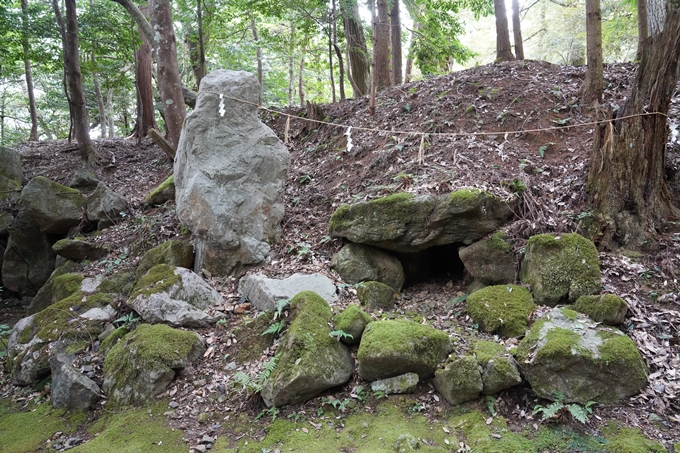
(493, 127)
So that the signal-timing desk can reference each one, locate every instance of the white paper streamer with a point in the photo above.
(222, 110)
(349, 140)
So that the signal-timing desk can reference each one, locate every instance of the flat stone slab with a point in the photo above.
(263, 292)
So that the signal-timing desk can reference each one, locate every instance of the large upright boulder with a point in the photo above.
(10, 174)
(568, 356)
(408, 223)
(309, 359)
(561, 268)
(230, 171)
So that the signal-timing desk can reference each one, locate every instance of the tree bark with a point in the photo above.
(381, 46)
(358, 60)
(517, 31)
(330, 58)
(33, 136)
(81, 124)
(503, 50)
(301, 85)
(626, 178)
(200, 72)
(258, 52)
(169, 84)
(291, 62)
(592, 86)
(146, 112)
(395, 37)
(643, 27)
(338, 52)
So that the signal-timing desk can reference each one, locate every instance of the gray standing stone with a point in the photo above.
(264, 292)
(70, 388)
(357, 263)
(230, 171)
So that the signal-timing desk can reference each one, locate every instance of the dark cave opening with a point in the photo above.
(435, 264)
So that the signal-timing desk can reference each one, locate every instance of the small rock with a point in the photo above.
(200, 448)
(174, 404)
(207, 440)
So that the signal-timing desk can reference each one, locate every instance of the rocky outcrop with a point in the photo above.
(264, 293)
(560, 268)
(230, 171)
(408, 223)
(173, 253)
(391, 348)
(70, 388)
(143, 363)
(490, 261)
(357, 263)
(309, 359)
(565, 353)
(163, 193)
(174, 296)
(501, 309)
(460, 380)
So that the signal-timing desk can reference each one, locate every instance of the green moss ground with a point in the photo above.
(25, 430)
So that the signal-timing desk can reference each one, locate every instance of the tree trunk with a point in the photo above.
(374, 72)
(291, 62)
(395, 37)
(358, 60)
(146, 111)
(517, 31)
(656, 15)
(330, 58)
(592, 86)
(503, 52)
(301, 80)
(338, 52)
(643, 27)
(33, 136)
(81, 124)
(200, 71)
(626, 177)
(109, 109)
(169, 84)
(258, 53)
(100, 101)
(381, 46)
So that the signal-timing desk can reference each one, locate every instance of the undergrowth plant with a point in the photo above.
(277, 327)
(252, 385)
(558, 408)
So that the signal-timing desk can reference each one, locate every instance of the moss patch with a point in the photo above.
(609, 308)
(65, 285)
(140, 430)
(353, 320)
(24, 431)
(629, 440)
(159, 278)
(502, 309)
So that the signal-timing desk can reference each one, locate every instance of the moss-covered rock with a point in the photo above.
(111, 340)
(357, 263)
(406, 223)
(164, 192)
(376, 295)
(352, 320)
(502, 309)
(560, 268)
(404, 383)
(608, 308)
(567, 353)
(142, 364)
(460, 380)
(77, 250)
(175, 296)
(173, 253)
(46, 295)
(491, 260)
(391, 348)
(499, 368)
(58, 328)
(309, 360)
(54, 208)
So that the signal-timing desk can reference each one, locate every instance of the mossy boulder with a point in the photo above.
(405, 383)
(352, 320)
(174, 296)
(111, 340)
(164, 192)
(567, 353)
(79, 250)
(52, 207)
(607, 308)
(491, 260)
(376, 295)
(56, 289)
(142, 364)
(309, 360)
(104, 206)
(501, 309)
(357, 263)
(560, 268)
(499, 368)
(58, 328)
(173, 252)
(10, 174)
(394, 347)
(407, 223)
(460, 380)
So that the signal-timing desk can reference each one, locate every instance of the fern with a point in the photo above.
(275, 328)
(341, 335)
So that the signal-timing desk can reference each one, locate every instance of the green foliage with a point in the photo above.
(341, 335)
(558, 408)
(129, 321)
(275, 328)
(252, 385)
